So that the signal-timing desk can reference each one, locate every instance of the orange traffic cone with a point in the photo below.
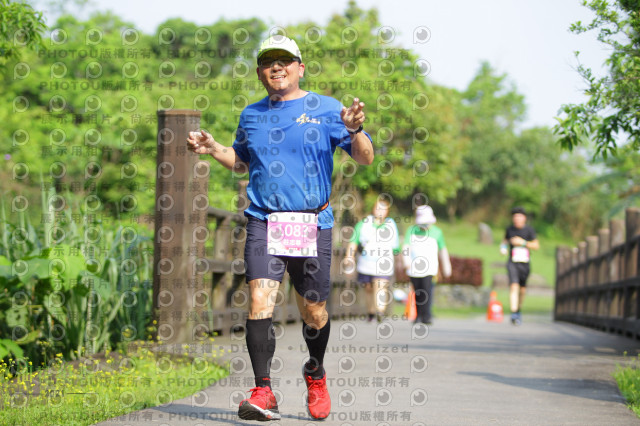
(494, 310)
(410, 311)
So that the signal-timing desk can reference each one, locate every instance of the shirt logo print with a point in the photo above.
(304, 118)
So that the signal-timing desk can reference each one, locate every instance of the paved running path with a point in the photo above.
(456, 372)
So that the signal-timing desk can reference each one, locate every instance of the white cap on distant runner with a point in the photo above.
(425, 216)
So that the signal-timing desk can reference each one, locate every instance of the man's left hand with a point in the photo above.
(353, 117)
(517, 241)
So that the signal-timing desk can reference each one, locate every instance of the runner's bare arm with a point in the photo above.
(203, 143)
(445, 260)
(361, 147)
(352, 249)
(519, 241)
(504, 247)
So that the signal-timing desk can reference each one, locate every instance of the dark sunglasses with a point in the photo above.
(284, 61)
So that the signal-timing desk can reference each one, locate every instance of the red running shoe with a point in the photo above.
(261, 406)
(318, 399)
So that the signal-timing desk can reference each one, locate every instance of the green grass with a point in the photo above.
(84, 393)
(533, 304)
(628, 379)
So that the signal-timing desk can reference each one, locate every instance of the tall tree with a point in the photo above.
(84, 112)
(612, 111)
(489, 110)
(20, 26)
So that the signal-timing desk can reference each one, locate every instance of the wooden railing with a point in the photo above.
(187, 305)
(598, 282)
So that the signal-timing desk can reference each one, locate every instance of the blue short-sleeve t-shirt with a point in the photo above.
(289, 146)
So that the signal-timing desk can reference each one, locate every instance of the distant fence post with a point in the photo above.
(616, 227)
(582, 276)
(632, 227)
(563, 264)
(181, 202)
(591, 298)
(604, 246)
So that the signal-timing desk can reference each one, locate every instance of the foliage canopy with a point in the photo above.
(612, 111)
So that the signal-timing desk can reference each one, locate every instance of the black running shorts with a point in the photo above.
(518, 273)
(309, 275)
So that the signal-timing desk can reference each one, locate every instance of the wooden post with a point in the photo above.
(239, 237)
(178, 296)
(561, 267)
(570, 278)
(604, 303)
(617, 234)
(632, 250)
(241, 204)
(563, 263)
(566, 266)
(229, 296)
(592, 254)
(604, 247)
(582, 261)
(221, 277)
(582, 276)
(632, 222)
(575, 261)
(591, 272)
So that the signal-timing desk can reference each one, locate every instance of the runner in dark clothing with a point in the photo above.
(519, 239)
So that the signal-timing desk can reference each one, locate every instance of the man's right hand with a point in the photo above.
(201, 143)
(504, 249)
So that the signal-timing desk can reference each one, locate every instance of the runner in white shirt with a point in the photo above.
(377, 234)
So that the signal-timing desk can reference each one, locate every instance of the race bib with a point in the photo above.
(292, 234)
(520, 255)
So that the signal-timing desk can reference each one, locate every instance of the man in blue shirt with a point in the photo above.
(286, 142)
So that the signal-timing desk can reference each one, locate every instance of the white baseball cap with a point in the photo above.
(425, 216)
(279, 42)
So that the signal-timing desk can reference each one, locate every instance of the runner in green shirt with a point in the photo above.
(423, 250)
(378, 236)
